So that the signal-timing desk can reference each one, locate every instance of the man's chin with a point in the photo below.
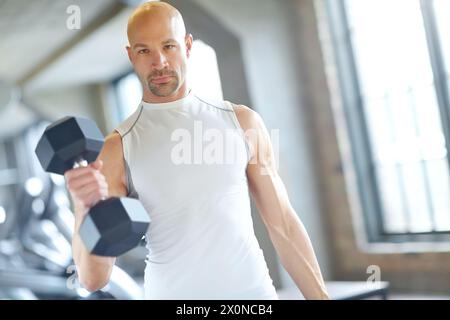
(160, 92)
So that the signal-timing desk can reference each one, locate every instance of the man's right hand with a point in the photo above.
(87, 186)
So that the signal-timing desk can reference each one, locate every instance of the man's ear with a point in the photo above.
(189, 41)
(130, 56)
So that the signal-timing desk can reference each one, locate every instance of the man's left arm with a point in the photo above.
(285, 229)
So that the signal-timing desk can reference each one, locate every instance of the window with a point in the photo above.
(203, 76)
(391, 64)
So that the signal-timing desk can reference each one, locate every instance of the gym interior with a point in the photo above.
(356, 92)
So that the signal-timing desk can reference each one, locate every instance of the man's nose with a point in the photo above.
(159, 60)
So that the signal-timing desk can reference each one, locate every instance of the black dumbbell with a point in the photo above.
(112, 226)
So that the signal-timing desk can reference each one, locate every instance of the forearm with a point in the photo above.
(296, 253)
(93, 271)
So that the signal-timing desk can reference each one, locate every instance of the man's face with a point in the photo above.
(159, 50)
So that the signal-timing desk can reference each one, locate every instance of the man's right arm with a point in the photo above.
(88, 185)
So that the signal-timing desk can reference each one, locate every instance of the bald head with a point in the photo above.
(159, 49)
(155, 13)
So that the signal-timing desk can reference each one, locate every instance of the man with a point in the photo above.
(201, 240)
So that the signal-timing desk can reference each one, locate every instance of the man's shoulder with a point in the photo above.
(113, 164)
(113, 139)
(112, 148)
(242, 110)
(248, 118)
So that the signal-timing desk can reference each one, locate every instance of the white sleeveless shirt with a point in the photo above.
(186, 162)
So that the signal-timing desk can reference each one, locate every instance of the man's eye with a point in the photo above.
(169, 46)
(142, 51)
